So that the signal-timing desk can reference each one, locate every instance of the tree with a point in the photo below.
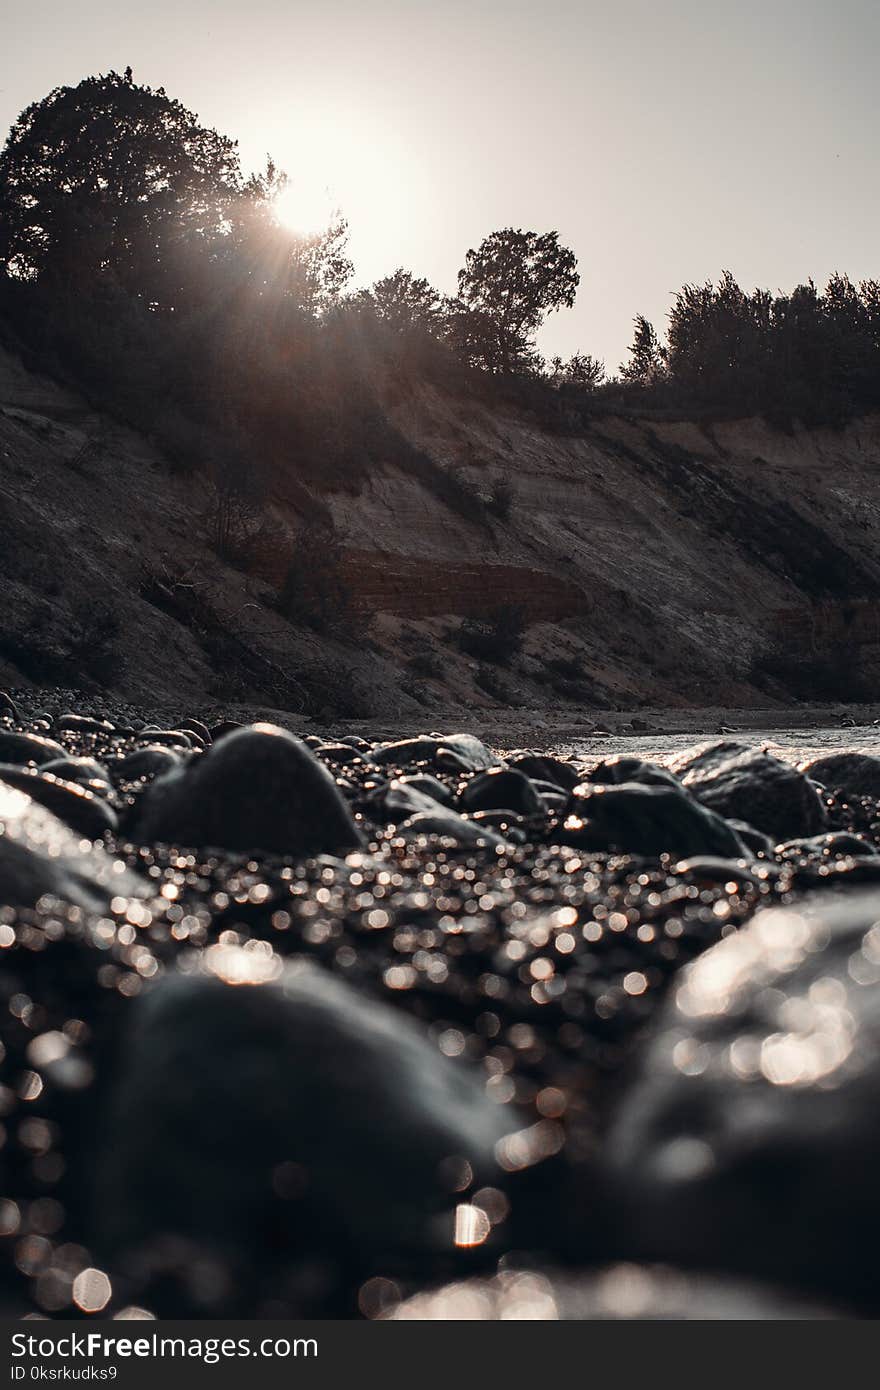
(507, 286)
(581, 370)
(647, 358)
(112, 179)
(405, 303)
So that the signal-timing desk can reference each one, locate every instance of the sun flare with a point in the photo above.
(305, 206)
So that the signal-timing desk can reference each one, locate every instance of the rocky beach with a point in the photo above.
(435, 1026)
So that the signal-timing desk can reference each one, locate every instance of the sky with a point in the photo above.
(665, 142)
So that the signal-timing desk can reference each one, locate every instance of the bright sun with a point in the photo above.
(305, 206)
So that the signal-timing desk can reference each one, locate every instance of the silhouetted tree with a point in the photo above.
(506, 288)
(581, 370)
(112, 179)
(646, 357)
(404, 303)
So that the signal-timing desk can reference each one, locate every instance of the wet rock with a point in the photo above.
(838, 843)
(622, 1292)
(81, 724)
(167, 738)
(338, 753)
(148, 762)
(741, 781)
(450, 826)
(400, 800)
(259, 788)
(81, 809)
(502, 788)
(195, 726)
(709, 869)
(8, 707)
(431, 786)
(21, 749)
(470, 754)
(87, 771)
(857, 774)
(753, 839)
(293, 1087)
(229, 726)
(649, 820)
(751, 1140)
(614, 771)
(548, 769)
(507, 823)
(40, 856)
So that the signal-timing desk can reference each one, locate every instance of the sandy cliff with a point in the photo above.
(661, 557)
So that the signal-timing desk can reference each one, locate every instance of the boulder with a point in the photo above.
(647, 820)
(23, 749)
(857, 774)
(750, 784)
(450, 826)
(547, 769)
(259, 788)
(502, 788)
(41, 857)
(147, 762)
(253, 1097)
(84, 811)
(750, 1140)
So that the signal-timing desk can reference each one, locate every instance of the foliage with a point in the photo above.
(314, 592)
(498, 639)
(505, 289)
(583, 371)
(647, 359)
(109, 178)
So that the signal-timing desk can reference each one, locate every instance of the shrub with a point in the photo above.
(498, 639)
(314, 592)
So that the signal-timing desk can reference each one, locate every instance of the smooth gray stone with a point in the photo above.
(400, 800)
(741, 781)
(750, 1140)
(543, 767)
(649, 820)
(150, 761)
(81, 724)
(86, 771)
(471, 754)
(450, 826)
(41, 856)
(81, 809)
(222, 1086)
(21, 749)
(855, 773)
(620, 768)
(502, 789)
(258, 788)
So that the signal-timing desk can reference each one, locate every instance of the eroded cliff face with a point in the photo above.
(663, 559)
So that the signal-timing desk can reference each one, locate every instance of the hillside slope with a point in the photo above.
(654, 562)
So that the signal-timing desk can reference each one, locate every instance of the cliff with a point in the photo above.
(653, 562)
